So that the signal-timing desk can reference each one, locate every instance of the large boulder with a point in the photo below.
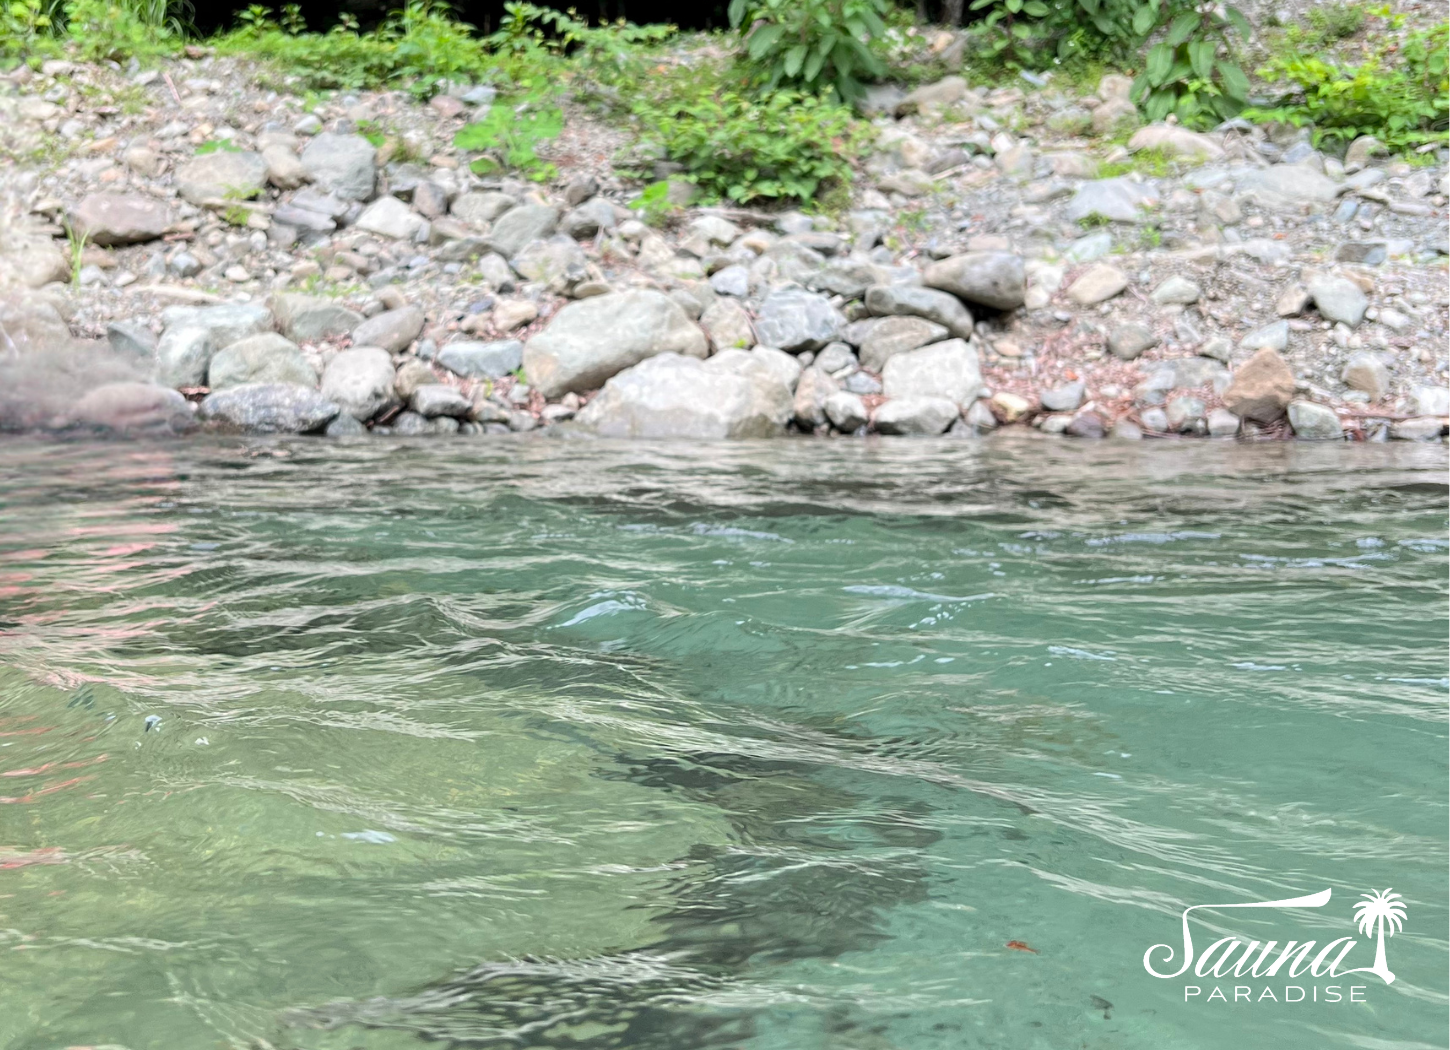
(1097, 284)
(813, 390)
(555, 262)
(674, 397)
(518, 226)
(1261, 389)
(284, 168)
(343, 165)
(592, 339)
(183, 354)
(1314, 422)
(943, 308)
(225, 323)
(269, 408)
(223, 175)
(130, 407)
(482, 360)
(764, 363)
(360, 380)
(390, 217)
(728, 325)
(948, 369)
(931, 97)
(34, 263)
(110, 219)
(392, 330)
(480, 209)
(1286, 186)
(307, 318)
(846, 411)
(1176, 141)
(1338, 299)
(1365, 372)
(265, 358)
(795, 320)
(919, 416)
(1117, 199)
(889, 336)
(995, 279)
(432, 400)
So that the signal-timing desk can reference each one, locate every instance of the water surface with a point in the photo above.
(764, 746)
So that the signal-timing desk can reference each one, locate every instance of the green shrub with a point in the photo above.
(418, 46)
(95, 29)
(811, 45)
(1337, 21)
(1399, 93)
(27, 27)
(780, 146)
(511, 131)
(1191, 72)
(654, 204)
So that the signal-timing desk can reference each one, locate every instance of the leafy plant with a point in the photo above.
(1191, 73)
(511, 133)
(1399, 93)
(419, 46)
(782, 146)
(370, 130)
(76, 241)
(1335, 21)
(117, 30)
(654, 204)
(535, 36)
(27, 25)
(811, 45)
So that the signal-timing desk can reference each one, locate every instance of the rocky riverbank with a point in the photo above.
(1018, 256)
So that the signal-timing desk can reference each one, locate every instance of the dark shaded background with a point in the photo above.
(485, 14)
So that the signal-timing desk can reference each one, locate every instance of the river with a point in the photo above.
(896, 745)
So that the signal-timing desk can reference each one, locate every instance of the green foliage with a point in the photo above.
(1042, 34)
(1191, 72)
(781, 146)
(532, 37)
(510, 134)
(1398, 93)
(95, 30)
(373, 132)
(811, 45)
(76, 241)
(216, 146)
(419, 46)
(26, 26)
(1336, 21)
(654, 204)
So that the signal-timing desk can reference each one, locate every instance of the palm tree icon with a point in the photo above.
(1378, 910)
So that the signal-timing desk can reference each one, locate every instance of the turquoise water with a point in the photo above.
(762, 746)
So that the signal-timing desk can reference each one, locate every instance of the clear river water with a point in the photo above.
(898, 745)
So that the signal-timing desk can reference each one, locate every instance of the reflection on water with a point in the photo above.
(549, 744)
